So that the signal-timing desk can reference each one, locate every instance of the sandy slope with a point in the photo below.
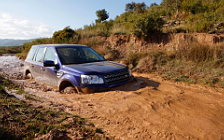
(148, 108)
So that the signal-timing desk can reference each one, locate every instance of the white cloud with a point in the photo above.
(14, 28)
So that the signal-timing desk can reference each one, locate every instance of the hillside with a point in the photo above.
(147, 21)
(171, 16)
(162, 39)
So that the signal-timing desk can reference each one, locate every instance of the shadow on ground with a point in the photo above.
(136, 84)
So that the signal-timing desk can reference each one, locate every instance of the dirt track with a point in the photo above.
(148, 108)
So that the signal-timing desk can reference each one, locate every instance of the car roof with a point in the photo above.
(60, 45)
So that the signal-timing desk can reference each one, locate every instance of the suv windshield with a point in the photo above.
(78, 55)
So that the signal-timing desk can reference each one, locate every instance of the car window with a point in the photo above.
(89, 53)
(50, 55)
(31, 53)
(40, 55)
(78, 55)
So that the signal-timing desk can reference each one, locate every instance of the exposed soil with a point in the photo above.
(161, 41)
(146, 108)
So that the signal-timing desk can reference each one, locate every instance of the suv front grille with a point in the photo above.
(116, 77)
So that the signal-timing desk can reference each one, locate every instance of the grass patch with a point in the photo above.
(19, 120)
(195, 63)
(7, 83)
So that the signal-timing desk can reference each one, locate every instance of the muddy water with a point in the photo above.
(11, 66)
(148, 108)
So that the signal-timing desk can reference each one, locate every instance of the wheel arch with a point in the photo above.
(27, 71)
(67, 80)
(63, 84)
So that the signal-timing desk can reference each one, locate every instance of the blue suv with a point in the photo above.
(76, 66)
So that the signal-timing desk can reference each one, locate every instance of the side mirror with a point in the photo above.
(49, 63)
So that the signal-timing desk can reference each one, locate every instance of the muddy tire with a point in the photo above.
(70, 90)
(29, 76)
(87, 90)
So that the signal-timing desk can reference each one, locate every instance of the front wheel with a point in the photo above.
(87, 90)
(70, 90)
(29, 76)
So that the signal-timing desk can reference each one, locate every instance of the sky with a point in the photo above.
(28, 19)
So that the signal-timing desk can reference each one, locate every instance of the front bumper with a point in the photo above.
(106, 86)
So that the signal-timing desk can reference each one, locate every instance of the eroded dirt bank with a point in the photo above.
(168, 41)
(148, 108)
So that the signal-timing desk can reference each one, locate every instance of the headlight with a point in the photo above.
(91, 79)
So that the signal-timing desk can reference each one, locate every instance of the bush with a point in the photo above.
(131, 58)
(65, 36)
(151, 61)
(148, 25)
(194, 6)
(111, 54)
(98, 29)
(10, 50)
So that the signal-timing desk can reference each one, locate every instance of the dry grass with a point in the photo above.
(19, 120)
(196, 63)
(201, 53)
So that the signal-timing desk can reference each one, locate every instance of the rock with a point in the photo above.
(171, 22)
(219, 25)
(177, 22)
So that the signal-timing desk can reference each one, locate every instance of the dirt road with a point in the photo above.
(148, 108)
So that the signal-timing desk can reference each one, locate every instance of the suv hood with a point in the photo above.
(95, 67)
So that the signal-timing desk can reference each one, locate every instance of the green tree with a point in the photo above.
(64, 36)
(102, 15)
(153, 4)
(130, 6)
(138, 7)
(194, 6)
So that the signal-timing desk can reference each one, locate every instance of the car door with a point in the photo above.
(50, 73)
(29, 62)
(38, 67)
